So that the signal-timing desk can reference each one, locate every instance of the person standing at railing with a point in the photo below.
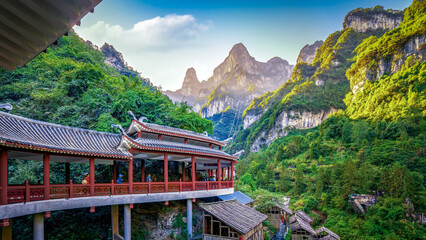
(148, 179)
(86, 179)
(120, 179)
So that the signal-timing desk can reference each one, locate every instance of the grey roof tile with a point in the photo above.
(236, 215)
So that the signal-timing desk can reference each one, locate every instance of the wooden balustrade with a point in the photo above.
(27, 192)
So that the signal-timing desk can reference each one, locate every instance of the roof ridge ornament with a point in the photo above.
(143, 118)
(120, 128)
(6, 106)
(206, 133)
(132, 114)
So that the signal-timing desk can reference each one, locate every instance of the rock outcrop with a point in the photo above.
(307, 54)
(362, 20)
(116, 60)
(287, 120)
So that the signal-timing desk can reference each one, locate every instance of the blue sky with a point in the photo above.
(162, 39)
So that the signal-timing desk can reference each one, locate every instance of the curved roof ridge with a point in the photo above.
(56, 124)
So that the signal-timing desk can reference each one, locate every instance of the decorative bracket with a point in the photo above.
(120, 128)
(6, 106)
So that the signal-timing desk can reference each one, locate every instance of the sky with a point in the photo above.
(162, 39)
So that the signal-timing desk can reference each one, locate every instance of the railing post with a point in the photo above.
(208, 184)
(149, 187)
(112, 187)
(71, 189)
(27, 191)
(180, 185)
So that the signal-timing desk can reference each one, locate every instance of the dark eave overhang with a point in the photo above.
(28, 27)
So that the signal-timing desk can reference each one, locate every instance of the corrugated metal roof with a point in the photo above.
(239, 196)
(28, 27)
(29, 133)
(236, 215)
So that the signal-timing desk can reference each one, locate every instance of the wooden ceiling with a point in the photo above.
(28, 27)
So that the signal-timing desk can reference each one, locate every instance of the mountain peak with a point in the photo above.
(191, 76)
(238, 50)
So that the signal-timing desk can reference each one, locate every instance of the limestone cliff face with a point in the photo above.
(414, 47)
(116, 60)
(287, 120)
(240, 78)
(234, 83)
(307, 54)
(362, 20)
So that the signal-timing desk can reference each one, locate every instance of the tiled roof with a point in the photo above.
(236, 215)
(286, 209)
(304, 216)
(151, 144)
(29, 27)
(298, 223)
(239, 196)
(324, 229)
(28, 133)
(160, 129)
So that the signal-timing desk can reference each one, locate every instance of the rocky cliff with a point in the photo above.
(362, 20)
(288, 120)
(240, 78)
(116, 60)
(308, 52)
(189, 91)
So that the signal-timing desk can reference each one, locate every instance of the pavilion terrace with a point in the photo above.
(27, 139)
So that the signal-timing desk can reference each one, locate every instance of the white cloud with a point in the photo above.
(159, 33)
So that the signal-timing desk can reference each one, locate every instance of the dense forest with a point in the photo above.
(71, 85)
(375, 146)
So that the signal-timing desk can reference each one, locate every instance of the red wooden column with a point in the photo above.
(220, 147)
(114, 171)
(193, 172)
(92, 176)
(67, 173)
(183, 171)
(232, 174)
(130, 175)
(210, 145)
(159, 136)
(46, 176)
(166, 172)
(3, 177)
(186, 140)
(143, 170)
(139, 134)
(219, 173)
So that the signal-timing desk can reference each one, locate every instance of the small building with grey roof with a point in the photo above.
(231, 220)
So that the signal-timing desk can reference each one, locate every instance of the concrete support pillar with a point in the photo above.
(3, 176)
(67, 173)
(189, 217)
(46, 176)
(114, 220)
(92, 176)
(6, 232)
(166, 172)
(127, 222)
(38, 227)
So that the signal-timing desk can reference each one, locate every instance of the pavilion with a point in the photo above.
(27, 139)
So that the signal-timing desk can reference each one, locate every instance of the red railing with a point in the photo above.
(27, 192)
